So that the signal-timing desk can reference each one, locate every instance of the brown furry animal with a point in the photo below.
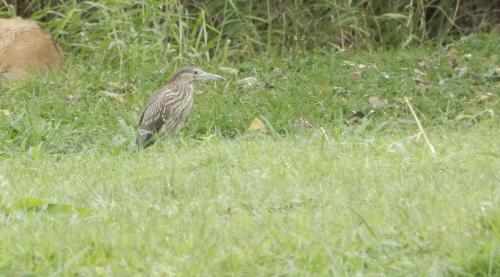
(26, 48)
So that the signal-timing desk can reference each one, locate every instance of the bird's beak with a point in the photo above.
(210, 76)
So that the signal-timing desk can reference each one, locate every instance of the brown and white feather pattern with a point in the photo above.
(166, 111)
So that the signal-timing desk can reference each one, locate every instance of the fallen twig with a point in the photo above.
(422, 131)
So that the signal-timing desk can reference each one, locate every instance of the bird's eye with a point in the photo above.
(196, 73)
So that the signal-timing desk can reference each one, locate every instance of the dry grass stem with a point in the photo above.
(422, 131)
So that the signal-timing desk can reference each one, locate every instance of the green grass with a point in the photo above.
(71, 112)
(77, 198)
(217, 29)
(306, 204)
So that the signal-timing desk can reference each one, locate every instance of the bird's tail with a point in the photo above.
(144, 139)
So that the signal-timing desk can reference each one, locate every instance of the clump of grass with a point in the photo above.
(480, 257)
(238, 29)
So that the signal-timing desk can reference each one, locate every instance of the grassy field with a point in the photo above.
(340, 198)
(298, 205)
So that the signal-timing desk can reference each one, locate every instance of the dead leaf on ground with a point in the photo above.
(349, 63)
(5, 112)
(453, 54)
(77, 97)
(421, 85)
(468, 56)
(229, 70)
(497, 70)
(355, 118)
(424, 64)
(257, 126)
(484, 98)
(419, 81)
(356, 76)
(462, 71)
(249, 82)
(122, 86)
(419, 72)
(303, 123)
(451, 51)
(276, 71)
(385, 76)
(376, 102)
(118, 85)
(323, 90)
(117, 96)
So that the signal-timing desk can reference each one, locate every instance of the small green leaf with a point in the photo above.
(30, 204)
(39, 205)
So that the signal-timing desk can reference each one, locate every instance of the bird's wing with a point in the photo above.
(155, 113)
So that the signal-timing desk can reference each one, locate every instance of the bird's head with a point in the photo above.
(190, 74)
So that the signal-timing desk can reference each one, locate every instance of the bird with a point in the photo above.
(167, 110)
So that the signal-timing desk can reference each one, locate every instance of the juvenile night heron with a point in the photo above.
(167, 110)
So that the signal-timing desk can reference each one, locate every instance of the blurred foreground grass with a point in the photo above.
(299, 205)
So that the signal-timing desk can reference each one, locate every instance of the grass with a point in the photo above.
(77, 198)
(238, 29)
(74, 112)
(260, 206)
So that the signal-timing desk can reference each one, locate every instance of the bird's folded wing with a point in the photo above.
(155, 113)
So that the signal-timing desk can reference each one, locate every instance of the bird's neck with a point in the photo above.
(183, 88)
(180, 86)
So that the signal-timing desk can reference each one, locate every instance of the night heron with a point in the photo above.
(167, 110)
